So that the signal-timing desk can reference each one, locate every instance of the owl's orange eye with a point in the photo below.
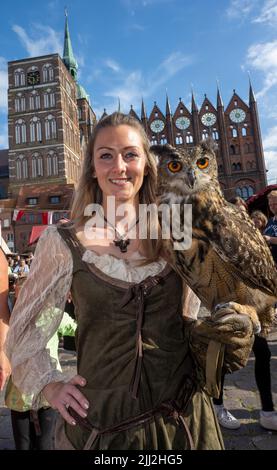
(174, 167)
(202, 163)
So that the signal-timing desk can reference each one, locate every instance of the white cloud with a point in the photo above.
(263, 57)
(239, 9)
(131, 86)
(268, 14)
(44, 40)
(112, 64)
(3, 85)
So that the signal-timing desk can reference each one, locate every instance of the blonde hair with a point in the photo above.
(260, 216)
(89, 192)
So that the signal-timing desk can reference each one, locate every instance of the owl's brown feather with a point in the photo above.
(229, 259)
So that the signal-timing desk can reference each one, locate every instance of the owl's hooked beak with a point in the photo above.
(190, 178)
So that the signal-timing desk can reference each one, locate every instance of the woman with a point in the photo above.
(4, 318)
(141, 367)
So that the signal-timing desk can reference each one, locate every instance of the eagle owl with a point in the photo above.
(228, 263)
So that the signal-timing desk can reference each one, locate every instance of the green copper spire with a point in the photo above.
(68, 56)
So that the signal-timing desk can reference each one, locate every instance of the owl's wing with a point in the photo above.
(237, 241)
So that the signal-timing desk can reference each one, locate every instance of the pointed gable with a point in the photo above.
(236, 102)
(133, 113)
(182, 118)
(156, 113)
(207, 107)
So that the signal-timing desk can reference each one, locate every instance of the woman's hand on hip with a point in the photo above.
(62, 395)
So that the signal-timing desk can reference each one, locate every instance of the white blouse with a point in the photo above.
(40, 306)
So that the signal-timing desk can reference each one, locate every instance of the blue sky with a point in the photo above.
(135, 48)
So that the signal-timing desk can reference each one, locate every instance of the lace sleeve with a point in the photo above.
(37, 315)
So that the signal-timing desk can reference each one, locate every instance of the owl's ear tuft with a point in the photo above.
(208, 145)
(161, 151)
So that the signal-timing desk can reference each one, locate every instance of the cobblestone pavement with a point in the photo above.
(241, 398)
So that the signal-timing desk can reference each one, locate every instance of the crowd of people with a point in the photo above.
(141, 358)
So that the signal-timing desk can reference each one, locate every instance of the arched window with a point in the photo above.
(18, 167)
(25, 168)
(243, 131)
(19, 103)
(34, 100)
(80, 113)
(234, 132)
(52, 164)
(37, 165)
(205, 135)
(52, 99)
(35, 130)
(49, 99)
(163, 141)
(20, 131)
(40, 165)
(250, 191)
(47, 73)
(215, 134)
(50, 127)
(154, 141)
(179, 140)
(19, 77)
(244, 192)
(220, 168)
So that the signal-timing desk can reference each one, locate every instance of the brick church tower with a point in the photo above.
(50, 121)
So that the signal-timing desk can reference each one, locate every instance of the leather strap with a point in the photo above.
(167, 409)
(214, 363)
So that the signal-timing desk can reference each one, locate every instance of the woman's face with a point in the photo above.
(272, 202)
(119, 162)
(257, 222)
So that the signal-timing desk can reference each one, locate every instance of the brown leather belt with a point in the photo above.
(166, 409)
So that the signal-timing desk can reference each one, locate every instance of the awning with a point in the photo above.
(36, 233)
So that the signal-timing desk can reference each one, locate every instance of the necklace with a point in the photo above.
(121, 241)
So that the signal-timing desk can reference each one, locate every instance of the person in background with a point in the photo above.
(34, 429)
(260, 220)
(4, 319)
(270, 231)
(22, 269)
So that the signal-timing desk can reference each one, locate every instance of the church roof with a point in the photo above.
(68, 56)
(81, 92)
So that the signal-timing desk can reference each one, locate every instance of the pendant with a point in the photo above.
(122, 244)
